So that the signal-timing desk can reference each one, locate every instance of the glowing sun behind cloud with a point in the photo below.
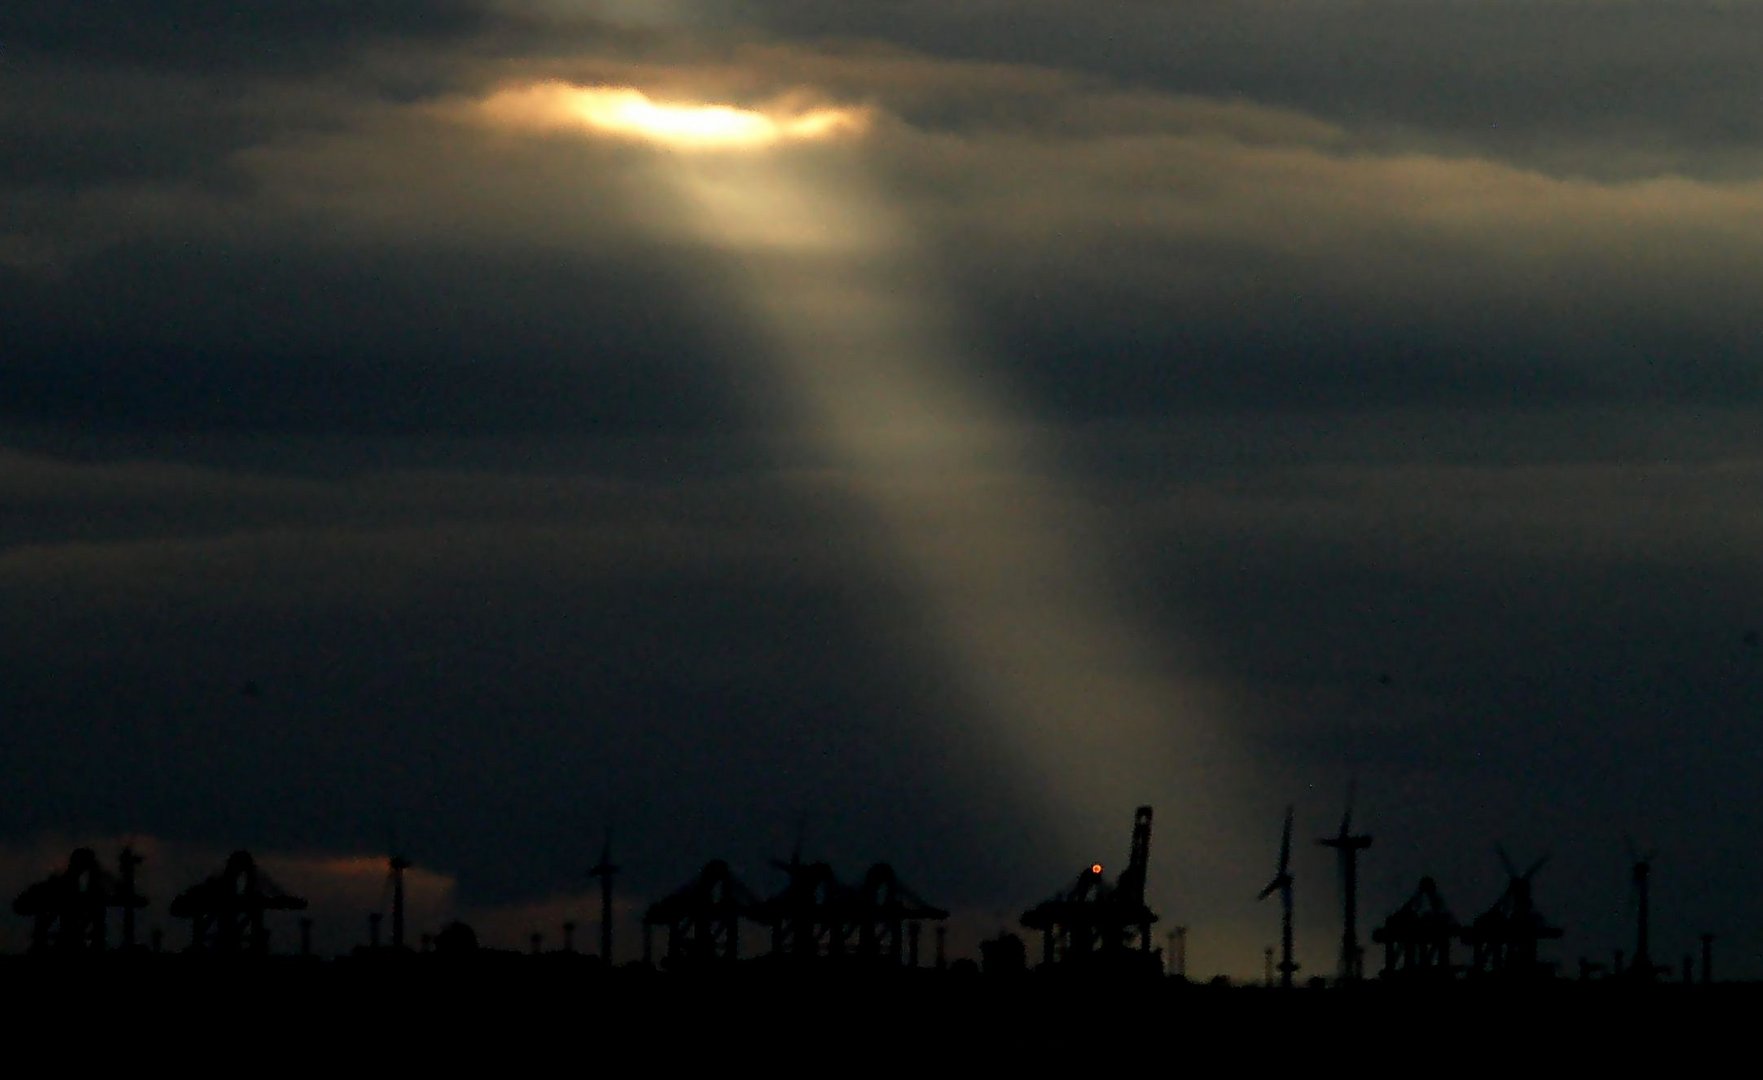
(630, 113)
(1007, 575)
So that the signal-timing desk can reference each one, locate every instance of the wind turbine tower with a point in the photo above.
(131, 899)
(1347, 847)
(605, 871)
(1282, 884)
(1178, 952)
(398, 864)
(1642, 873)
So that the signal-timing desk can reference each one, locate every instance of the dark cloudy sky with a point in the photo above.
(1207, 405)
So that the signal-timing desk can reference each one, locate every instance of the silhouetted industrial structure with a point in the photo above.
(226, 910)
(396, 865)
(1178, 952)
(818, 922)
(701, 919)
(1417, 937)
(814, 917)
(884, 908)
(129, 862)
(1504, 939)
(605, 871)
(69, 910)
(809, 917)
(1097, 923)
(1640, 877)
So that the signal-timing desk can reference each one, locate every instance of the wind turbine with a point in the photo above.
(397, 864)
(1519, 896)
(1282, 884)
(1641, 872)
(393, 889)
(1347, 848)
(129, 862)
(1506, 935)
(605, 871)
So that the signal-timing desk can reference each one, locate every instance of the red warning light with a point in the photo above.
(1096, 869)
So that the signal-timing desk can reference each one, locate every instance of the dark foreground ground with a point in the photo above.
(513, 1015)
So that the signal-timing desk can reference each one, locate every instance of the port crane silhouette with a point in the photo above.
(1418, 936)
(69, 910)
(1098, 923)
(226, 910)
(1504, 939)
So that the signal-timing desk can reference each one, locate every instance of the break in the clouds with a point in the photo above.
(366, 462)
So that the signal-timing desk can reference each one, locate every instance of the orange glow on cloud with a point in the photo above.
(626, 112)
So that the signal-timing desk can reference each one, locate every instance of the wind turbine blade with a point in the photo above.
(1285, 844)
(1506, 861)
(1535, 866)
(1347, 818)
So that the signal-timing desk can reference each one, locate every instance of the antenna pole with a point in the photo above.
(399, 865)
(129, 862)
(1286, 965)
(605, 871)
(1643, 959)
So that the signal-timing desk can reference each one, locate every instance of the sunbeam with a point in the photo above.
(1087, 713)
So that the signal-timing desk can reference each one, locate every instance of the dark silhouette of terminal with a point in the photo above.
(1096, 931)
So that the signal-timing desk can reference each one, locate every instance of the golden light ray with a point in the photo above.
(629, 113)
(1007, 566)
(1010, 574)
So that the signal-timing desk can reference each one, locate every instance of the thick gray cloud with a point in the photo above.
(1595, 88)
(277, 339)
(210, 35)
